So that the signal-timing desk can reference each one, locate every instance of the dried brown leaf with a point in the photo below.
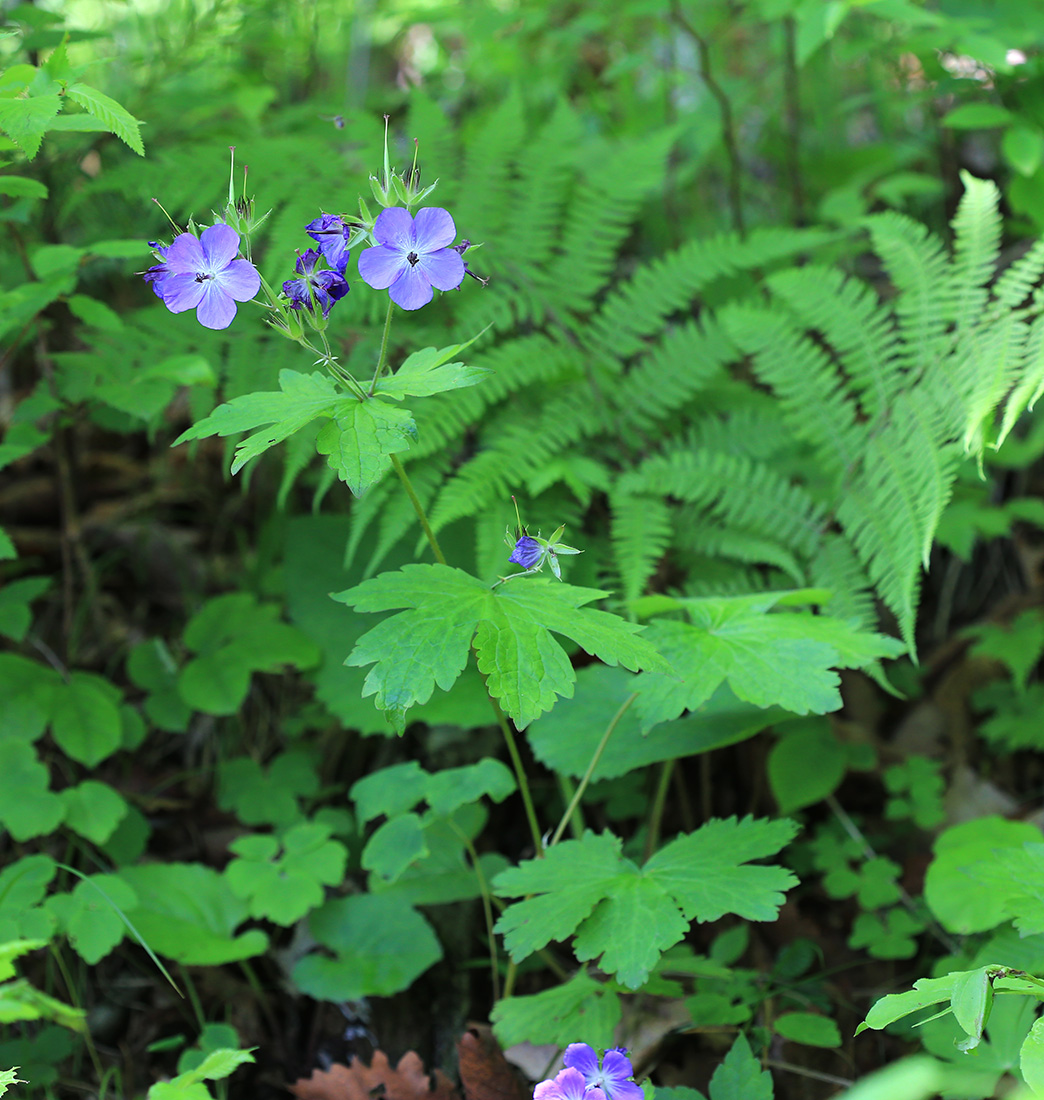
(377, 1081)
(485, 1073)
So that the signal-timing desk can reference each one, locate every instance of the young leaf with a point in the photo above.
(118, 120)
(359, 439)
(510, 626)
(740, 1076)
(424, 374)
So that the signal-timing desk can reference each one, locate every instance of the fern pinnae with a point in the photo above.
(641, 531)
(976, 227)
(851, 319)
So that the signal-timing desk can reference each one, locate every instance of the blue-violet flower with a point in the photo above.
(326, 287)
(331, 234)
(203, 274)
(568, 1085)
(412, 255)
(527, 552)
(613, 1078)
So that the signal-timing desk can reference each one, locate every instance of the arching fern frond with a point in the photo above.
(641, 532)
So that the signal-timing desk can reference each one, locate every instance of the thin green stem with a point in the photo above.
(70, 988)
(429, 534)
(659, 803)
(193, 998)
(624, 707)
(382, 359)
(567, 790)
(520, 776)
(487, 905)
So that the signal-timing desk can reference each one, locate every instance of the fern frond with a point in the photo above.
(641, 532)
(976, 227)
(918, 266)
(849, 317)
(1020, 278)
(742, 493)
(813, 394)
(748, 547)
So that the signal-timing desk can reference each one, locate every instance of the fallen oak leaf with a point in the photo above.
(357, 1081)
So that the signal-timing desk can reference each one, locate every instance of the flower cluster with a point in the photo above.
(321, 287)
(585, 1079)
(203, 273)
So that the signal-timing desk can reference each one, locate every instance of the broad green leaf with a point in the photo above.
(1015, 877)
(579, 1010)
(380, 946)
(359, 439)
(21, 1001)
(151, 666)
(740, 1076)
(118, 120)
(390, 791)
(895, 1006)
(1018, 644)
(427, 372)
(630, 916)
(782, 658)
(93, 809)
(28, 689)
(453, 787)
(188, 912)
(510, 627)
(23, 886)
(793, 782)
(301, 400)
(28, 807)
(15, 949)
(951, 893)
(809, 1028)
(565, 739)
(978, 116)
(1031, 1057)
(91, 915)
(269, 794)
(95, 313)
(86, 720)
(394, 846)
(15, 613)
(971, 1001)
(26, 120)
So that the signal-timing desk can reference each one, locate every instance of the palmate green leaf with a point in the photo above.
(303, 397)
(785, 659)
(361, 436)
(580, 1010)
(510, 626)
(117, 119)
(427, 372)
(628, 916)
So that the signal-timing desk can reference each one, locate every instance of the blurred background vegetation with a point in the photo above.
(580, 143)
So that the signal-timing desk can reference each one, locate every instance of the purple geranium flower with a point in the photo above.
(412, 255)
(203, 274)
(568, 1085)
(527, 552)
(326, 287)
(331, 234)
(613, 1077)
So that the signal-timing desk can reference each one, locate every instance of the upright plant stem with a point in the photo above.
(595, 757)
(728, 128)
(505, 725)
(792, 116)
(659, 802)
(382, 359)
(429, 534)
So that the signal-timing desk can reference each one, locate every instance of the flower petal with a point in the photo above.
(411, 289)
(185, 255)
(239, 280)
(579, 1056)
(381, 266)
(433, 228)
(616, 1073)
(180, 292)
(444, 269)
(527, 553)
(572, 1086)
(220, 243)
(217, 309)
(394, 228)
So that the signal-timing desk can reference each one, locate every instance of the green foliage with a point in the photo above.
(510, 627)
(217, 1065)
(626, 916)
